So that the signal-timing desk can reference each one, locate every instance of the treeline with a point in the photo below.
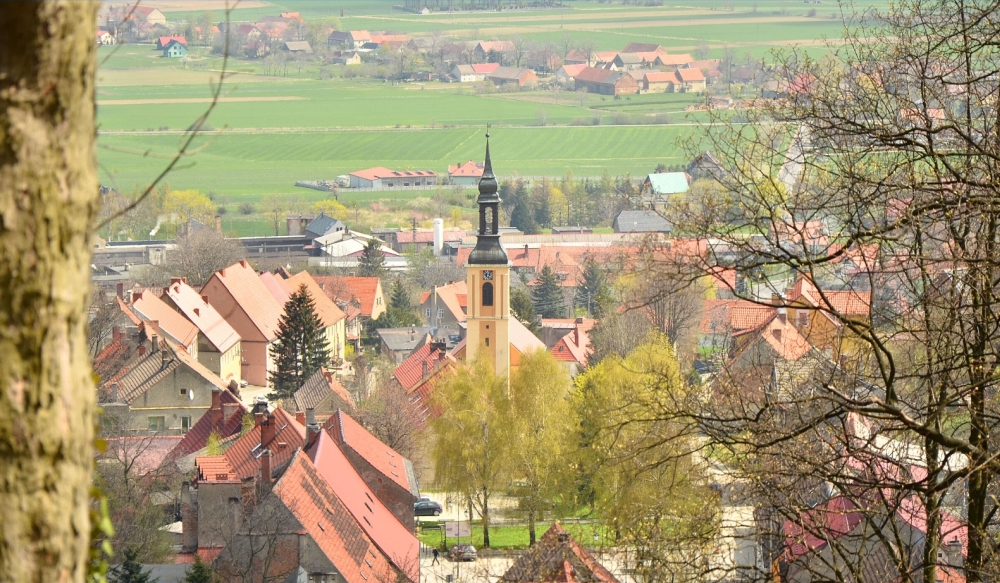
(551, 203)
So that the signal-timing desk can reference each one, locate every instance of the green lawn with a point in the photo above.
(516, 537)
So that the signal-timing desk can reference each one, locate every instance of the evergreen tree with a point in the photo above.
(540, 195)
(398, 296)
(522, 217)
(392, 317)
(300, 348)
(199, 572)
(523, 310)
(593, 293)
(547, 295)
(372, 260)
(130, 570)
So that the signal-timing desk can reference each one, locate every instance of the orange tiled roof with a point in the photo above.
(213, 421)
(573, 347)
(786, 341)
(846, 302)
(411, 372)
(557, 558)
(468, 169)
(689, 75)
(317, 387)
(328, 312)
(383, 458)
(344, 289)
(241, 461)
(731, 316)
(244, 285)
(522, 339)
(202, 315)
(152, 309)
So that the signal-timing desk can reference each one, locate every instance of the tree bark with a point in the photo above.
(48, 202)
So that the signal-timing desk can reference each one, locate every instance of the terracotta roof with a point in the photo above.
(328, 312)
(523, 339)
(393, 539)
(146, 453)
(597, 75)
(497, 45)
(659, 77)
(835, 518)
(383, 172)
(412, 371)
(576, 55)
(165, 40)
(313, 502)
(202, 315)
(484, 68)
(252, 296)
(468, 169)
(344, 289)
(557, 558)
(689, 75)
(573, 347)
(213, 421)
(729, 316)
(573, 70)
(318, 387)
(782, 337)
(241, 461)
(846, 302)
(275, 286)
(344, 429)
(451, 297)
(128, 312)
(671, 60)
(152, 309)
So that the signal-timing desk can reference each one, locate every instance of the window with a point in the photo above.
(803, 318)
(440, 314)
(406, 184)
(487, 294)
(185, 424)
(157, 423)
(184, 392)
(487, 341)
(427, 313)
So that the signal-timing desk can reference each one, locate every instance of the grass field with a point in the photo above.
(516, 537)
(276, 130)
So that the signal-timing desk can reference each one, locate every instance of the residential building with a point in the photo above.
(397, 344)
(706, 165)
(324, 394)
(360, 298)
(567, 73)
(573, 341)
(163, 41)
(520, 76)
(323, 225)
(466, 174)
(381, 177)
(657, 82)
(722, 319)
(634, 47)
(245, 303)
(576, 57)
(673, 61)
(348, 58)
(689, 80)
(494, 51)
(331, 317)
(218, 347)
(629, 61)
(298, 47)
(146, 15)
(105, 38)
(348, 39)
(605, 82)
(444, 307)
(473, 72)
(170, 323)
(557, 558)
(659, 187)
(419, 373)
(224, 418)
(812, 311)
(175, 50)
(647, 221)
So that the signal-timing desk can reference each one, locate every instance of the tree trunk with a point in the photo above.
(486, 518)
(48, 202)
(531, 528)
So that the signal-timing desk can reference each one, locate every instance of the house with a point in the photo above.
(665, 184)
(397, 344)
(673, 61)
(349, 58)
(219, 346)
(444, 307)
(576, 57)
(567, 73)
(466, 174)
(324, 225)
(657, 82)
(643, 48)
(811, 310)
(645, 221)
(360, 298)
(171, 323)
(604, 60)
(224, 418)
(380, 177)
(706, 165)
(160, 388)
(721, 319)
(775, 340)
(389, 475)
(720, 102)
(420, 373)
(175, 50)
(324, 394)
(689, 80)
(163, 41)
(105, 38)
(473, 72)
(331, 317)
(245, 303)
(629, 61)
(557, 558)
(493, 51)
(605, 82)
(573, 346)
(298, 47)
(520, 76)
(348, 39)
(146, 15)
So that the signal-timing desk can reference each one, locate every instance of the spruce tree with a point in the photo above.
(593, 292)
(199, 572)
(547, 295)
(130, 570)
(398, 296)
(372, 260)
(524, 310)
(300, 348)
(522, 217)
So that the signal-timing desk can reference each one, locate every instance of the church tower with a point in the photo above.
(488, 278)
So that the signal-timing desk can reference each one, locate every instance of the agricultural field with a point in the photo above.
(310, 123)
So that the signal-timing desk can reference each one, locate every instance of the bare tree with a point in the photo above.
(390, 416)
(106, 315)
(522, 47)
(200, 254)
(259, 534)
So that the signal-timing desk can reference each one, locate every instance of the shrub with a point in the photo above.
(220, 211)
(246, 208)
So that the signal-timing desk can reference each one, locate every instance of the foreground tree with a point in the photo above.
(547, 296)
(300, 347)
(48, 202)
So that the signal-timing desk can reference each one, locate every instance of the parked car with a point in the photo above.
(426, 507)
(462, 553)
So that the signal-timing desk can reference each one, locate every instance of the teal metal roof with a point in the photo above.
(668, 182)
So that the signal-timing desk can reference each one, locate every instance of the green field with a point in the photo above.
(274, 130)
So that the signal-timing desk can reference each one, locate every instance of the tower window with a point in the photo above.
(487, 294)
(487, 341)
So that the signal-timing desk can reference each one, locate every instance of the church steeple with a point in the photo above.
(488, 249)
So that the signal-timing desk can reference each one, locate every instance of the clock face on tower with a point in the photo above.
(488, 275)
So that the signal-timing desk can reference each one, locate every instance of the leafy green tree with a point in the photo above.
(594, 293)
(130, 570)
(524, 310)
(199, 572)
(548, 296)
(636, 463)
(372, 260)
(522, 217)
(545, 425)
(392, 317)
(399, 298)
(300, 347)
(472, 452)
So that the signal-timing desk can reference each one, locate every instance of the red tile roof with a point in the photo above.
(574, 347)
(344, 289)
(835, 518)
(190, 303)
(152, 309)
(731, 316)
(782, 337)
(485, 68)
(573, 70)
(395, 541)
(690, 75)
(328, 312)
(670, 60)
(595, 75)
(327, 520)
(344, 429)
(411, 372)
(165, 40)
(467, 169)
(241, 461)
(244, 285)
(500, 46)
(659, 77)
(383, 172)
(846, 302)
(214, 421)
(557, 558)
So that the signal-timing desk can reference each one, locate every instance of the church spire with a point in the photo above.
(488, 183)
(488, 250)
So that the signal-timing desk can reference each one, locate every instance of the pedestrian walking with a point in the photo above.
(437, 556)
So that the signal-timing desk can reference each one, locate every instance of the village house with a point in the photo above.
(298, 47)
(644, 221)
(466, 174)
(175, 50)
(606, 82)
(322, 393)
(146, 15)
(348, 58)
(224, 418)
(348, 39)
(721, 319)
(163, 41)
(360, 298)
(660, 187)
(323, 225)
(172, 324)
(244, 302)
(689, 80)
(576, 57)
(811, 310)
(493, 51)
(420, 372)
(218, 346)
(397, 344)
(105, 38)
(520, 76)
(283, 285)
(381, 177)
(657, 82)
(444, 307)
(673, 61)
(473, 72)
(567, 73)
(569, 341)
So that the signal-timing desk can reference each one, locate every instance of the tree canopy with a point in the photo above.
(372, 260)
(547, 295)
(301, 347)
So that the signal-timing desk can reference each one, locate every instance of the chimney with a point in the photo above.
(114, 392)
(775, 299)
(268, 430)
(165, 358)
(265, 465)
(120, 290)
(244, 263)
(189, 518)
(300, 417)
(116, 334)
(310, 416)
(216, 410)
(141, 350)
(259, 411)
(423, 369)
(312, 428)
(204, 298)
(576, 335)
(783, 315)
(176, 280)
(218, 223)
(228, 410)
(154, 343)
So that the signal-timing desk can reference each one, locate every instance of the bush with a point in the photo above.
(246, 208)
(220, 211)
(811, 12)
